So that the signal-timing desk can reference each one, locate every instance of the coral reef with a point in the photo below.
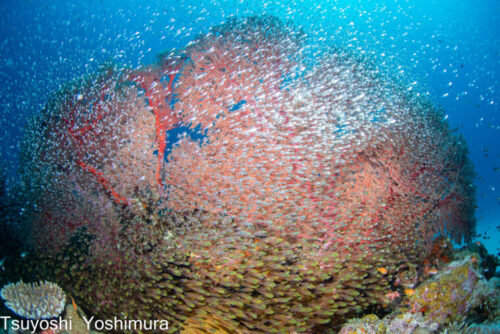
(464, 328)
(299, 188)
(458, 299)
(409, 323)
(456, 291)
(489, 262)
(395, 323)
(368, 324)
(41, 300)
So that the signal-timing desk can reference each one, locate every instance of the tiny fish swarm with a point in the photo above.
(41, 300)
(310, 173)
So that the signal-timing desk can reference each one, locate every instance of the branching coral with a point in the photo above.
(42, 300)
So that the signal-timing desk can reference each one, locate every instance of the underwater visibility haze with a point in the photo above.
(251, 167)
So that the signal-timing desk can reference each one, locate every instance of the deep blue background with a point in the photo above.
(447, 49)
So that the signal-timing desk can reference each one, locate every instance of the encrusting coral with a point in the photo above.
(455, 292)
(397, 323)
(458, 299)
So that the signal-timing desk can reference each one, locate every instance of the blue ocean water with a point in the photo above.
(446, 50)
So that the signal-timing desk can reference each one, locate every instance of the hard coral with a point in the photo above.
(369, 324)
(40, 300)
(405, 323)
(454, 292)
(408, 323)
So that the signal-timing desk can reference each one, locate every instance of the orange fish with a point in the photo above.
(409, 292)
(382, 270)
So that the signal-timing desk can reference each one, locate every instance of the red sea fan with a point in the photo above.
(337, 155)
